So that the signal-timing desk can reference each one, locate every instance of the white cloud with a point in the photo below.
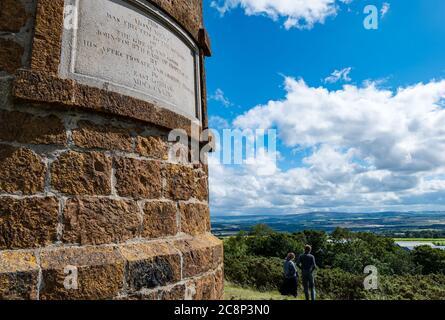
(302, 14)
(218, 123)
(367, 149)
(220, 97)
(338, 75)
(384, 10)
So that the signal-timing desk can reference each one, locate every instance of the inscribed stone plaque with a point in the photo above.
(134, 49)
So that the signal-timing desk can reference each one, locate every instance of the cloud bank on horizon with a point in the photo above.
(365, 148)
(301, 14)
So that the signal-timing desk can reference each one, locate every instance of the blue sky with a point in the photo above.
(357, 111)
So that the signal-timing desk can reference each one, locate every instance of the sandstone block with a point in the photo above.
(100, 272)
(195, 218)
(48, 32)
(78, 173)
(28, 223)
(152, 147)
(180, 182)
(188, 13)
(219, 284)
(100, 221)
(151, 265)
(208, 287)
(200, 255)
(138, 179)
(90, 135)
(159, 220)
(21, 171)
(175, 293)
(201, 189)
(10, 55)
(27, 128)
(13, 15)
(19, 273)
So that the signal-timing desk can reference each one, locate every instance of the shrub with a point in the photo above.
(431, 260)
(336, 284)
(260, 273)
(410, 287)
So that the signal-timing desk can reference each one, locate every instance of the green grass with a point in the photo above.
(233, 292)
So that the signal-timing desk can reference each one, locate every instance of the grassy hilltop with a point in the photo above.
(253, 265)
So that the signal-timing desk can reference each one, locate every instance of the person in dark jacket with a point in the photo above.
(306, 262)
(290, 276)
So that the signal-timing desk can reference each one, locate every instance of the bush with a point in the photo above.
(336, 284)
(263, 274)
(431, 260)
(410, 287)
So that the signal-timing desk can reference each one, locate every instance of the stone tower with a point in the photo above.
(91, 204)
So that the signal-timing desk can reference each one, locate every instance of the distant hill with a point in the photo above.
(379, 222)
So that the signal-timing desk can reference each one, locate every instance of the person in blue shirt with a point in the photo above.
(306, 262)
(290, 283)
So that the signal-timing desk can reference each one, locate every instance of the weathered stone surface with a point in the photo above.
(27, 128)
(201, 189)
(39, 86)
(159, 220)
(21, 170)
(208, 287)
(115, 103)
(151, 265)
(200, 255)
(219, 284)
(5, 92)
(82, 173)
(175, 293)
(28, 223)
(13, 15)
(187, 13)
(100, 272)
(90, 135)
(138, 179)
(19, 273)
(153, 147)
(195, 218)
(152, 295)
(100, 221)
(217, 253)
(203, 288)
(204, 168)
(180, 182)
(10, 55)
(47, 40)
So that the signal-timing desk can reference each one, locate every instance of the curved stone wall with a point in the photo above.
(91, 207)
